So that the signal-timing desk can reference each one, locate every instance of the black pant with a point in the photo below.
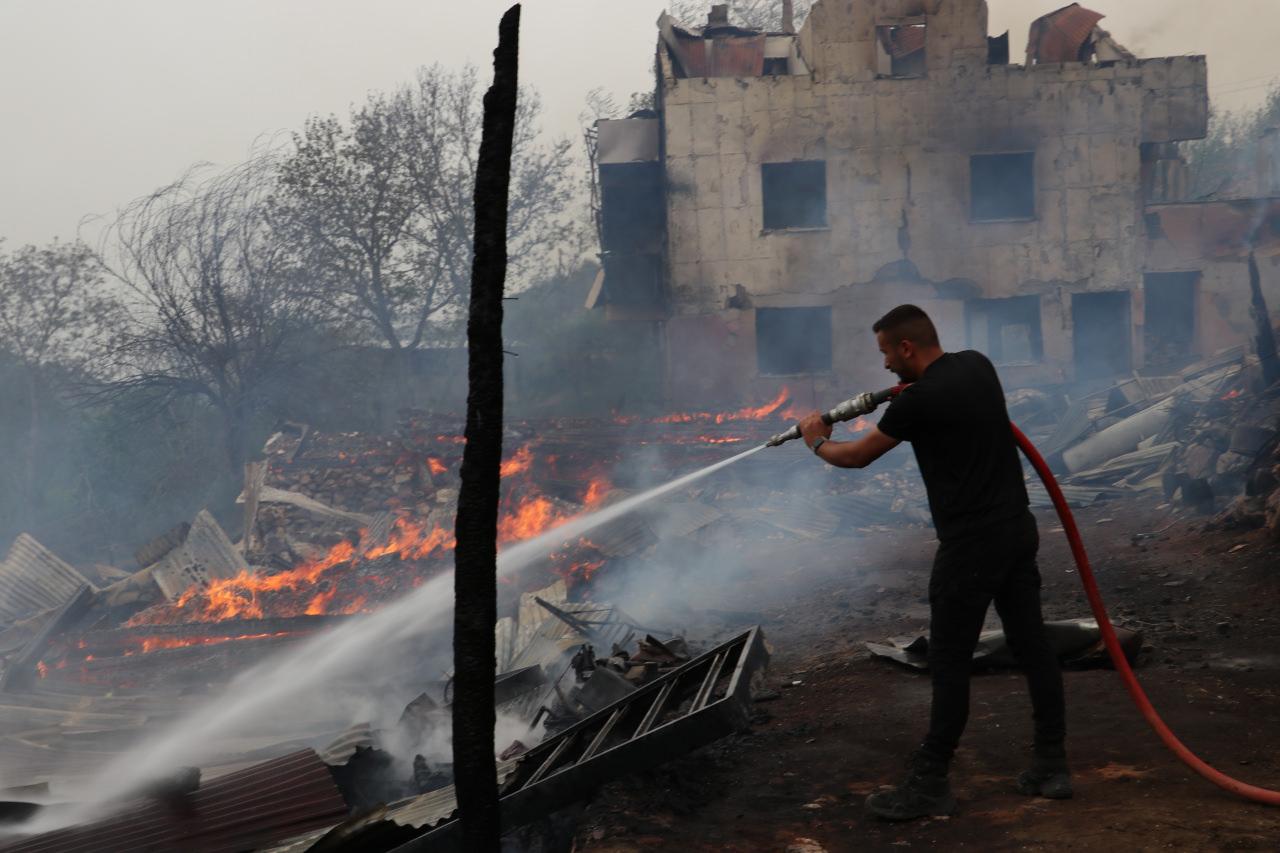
(996, 564)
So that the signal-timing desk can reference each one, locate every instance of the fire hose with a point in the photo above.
(868, 402)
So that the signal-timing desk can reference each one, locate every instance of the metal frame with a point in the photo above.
(660, 721)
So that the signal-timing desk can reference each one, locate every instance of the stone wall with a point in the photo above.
(897, 163)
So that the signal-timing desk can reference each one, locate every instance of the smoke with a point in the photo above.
(317, 669)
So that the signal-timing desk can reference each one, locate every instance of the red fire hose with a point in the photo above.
(1222, 780)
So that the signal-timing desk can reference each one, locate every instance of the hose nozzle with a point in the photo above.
(862, 404)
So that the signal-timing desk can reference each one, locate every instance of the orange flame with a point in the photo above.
(596, 490)
(239, 597)
(532, 516)
(435, 466)
(42, 668)
(151, 644)
(518, 463)
(750, 413)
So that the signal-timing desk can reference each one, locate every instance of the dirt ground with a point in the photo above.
(844, 721)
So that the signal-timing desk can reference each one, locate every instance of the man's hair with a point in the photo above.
(908, 323)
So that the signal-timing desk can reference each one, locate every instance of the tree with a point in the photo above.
(382, 204)
(217, 310)
(54, 318)
(1225, 162)
(751, 14)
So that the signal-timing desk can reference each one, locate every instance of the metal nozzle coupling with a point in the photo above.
(861, 404)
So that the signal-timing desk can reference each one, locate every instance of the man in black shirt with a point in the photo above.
(954, 415)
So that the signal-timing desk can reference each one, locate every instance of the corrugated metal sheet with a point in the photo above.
(273, 800)
(206, 554)
(33, 578)
(1058, 36)
(345, 745)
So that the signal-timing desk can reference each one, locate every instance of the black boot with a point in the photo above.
(1048, 777)
(924, 792)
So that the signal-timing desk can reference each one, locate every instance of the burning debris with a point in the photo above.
(344, 524)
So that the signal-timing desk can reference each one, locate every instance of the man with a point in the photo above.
(954, 415)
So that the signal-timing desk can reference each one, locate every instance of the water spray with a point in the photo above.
(862, 404)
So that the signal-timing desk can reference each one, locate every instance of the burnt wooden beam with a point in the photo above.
(476, 527)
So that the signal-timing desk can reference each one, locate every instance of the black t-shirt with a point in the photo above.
(956, 421)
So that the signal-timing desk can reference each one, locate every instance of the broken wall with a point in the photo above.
(898, 221)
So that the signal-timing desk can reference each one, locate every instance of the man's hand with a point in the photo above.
(811, 427)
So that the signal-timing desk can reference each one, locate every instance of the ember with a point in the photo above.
(756, 413)
(151, 644)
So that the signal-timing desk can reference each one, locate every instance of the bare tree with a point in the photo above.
(383, 203)
(751, 14)
(54, 318)
(217, 307)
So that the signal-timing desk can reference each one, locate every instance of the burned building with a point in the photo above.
(792, 186)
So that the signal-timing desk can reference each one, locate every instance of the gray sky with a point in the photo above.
(104, 100)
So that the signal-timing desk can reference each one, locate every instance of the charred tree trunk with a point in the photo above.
(475, 558)
(1265, 340)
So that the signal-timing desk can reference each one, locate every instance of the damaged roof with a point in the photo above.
(1060, 35)
(243, 810)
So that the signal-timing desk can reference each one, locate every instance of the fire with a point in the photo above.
(151, 644)
(42, 669)
(435, 466)
(750, 413)
(1232, 394)
(712, 439)
(531, 517)
(517, 464)
(242, 596)
(596, 490)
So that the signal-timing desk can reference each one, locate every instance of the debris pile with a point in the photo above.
(1205, 437)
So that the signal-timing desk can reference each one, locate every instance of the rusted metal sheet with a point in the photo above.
(901, 42)
(243, 810)
(1221, 230)
(735, 53)
(736, 56)
(33, 578)
(1059, 35)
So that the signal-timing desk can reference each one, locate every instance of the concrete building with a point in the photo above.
(790, 187)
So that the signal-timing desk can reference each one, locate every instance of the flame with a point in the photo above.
(435, 466)
(713, 439)
(42, 669)
(518, 463)
(451, 439)
(596, 490)
(750, 413)
(1231, 395)
(151, 644)
(531, 517)
(240, 597)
